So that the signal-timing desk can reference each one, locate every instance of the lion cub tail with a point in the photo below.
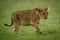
(7, 25)
(10, 24)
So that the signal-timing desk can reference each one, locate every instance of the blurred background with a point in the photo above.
(50, 27)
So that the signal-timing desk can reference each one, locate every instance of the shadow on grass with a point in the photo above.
(48, 33)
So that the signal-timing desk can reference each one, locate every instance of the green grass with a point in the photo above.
(52, 24)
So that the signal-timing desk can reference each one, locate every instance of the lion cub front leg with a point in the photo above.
(36, 25)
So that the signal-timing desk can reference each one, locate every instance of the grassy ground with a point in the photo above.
(52, 24)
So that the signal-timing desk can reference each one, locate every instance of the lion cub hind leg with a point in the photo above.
(16, 28)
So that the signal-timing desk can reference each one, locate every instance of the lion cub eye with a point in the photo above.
(43, 13)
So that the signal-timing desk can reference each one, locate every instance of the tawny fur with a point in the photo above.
(28, 17)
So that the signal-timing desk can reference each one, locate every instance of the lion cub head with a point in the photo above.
(43, 13)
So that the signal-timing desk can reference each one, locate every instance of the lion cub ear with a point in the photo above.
(38, 9)
(47, 9)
